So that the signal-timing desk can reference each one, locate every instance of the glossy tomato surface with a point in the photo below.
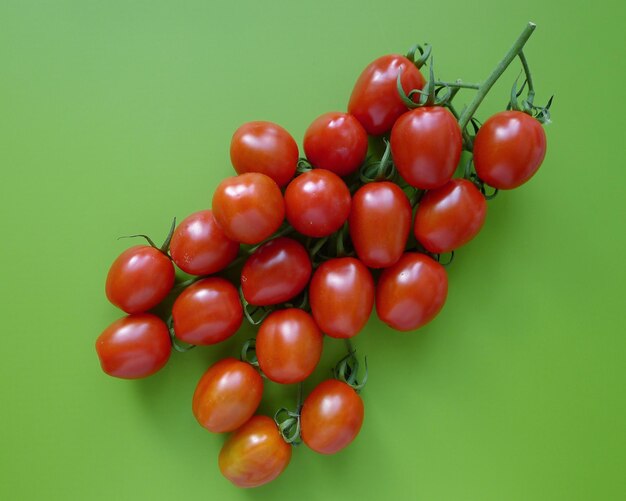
(227, 395)
(264, 147)
(276, 272)
(410, 293)
(248, 207)
(380, 222)
(336, 141)
(289, 345)
(509, 148)
(255, 454)
(317, 203)
(426, 145)
(135, 346)
(341, 295)
(375, 101)
(207, 312)
(139, 279)
(331, 417)
(450, 216)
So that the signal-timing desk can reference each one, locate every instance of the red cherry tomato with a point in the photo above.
(289, 346)
(375, 101)
(207, 312)
(264, 147)
(249, 207)
(135, 346)
(139, 279)
(450, 216)
(331, 417)
(380, 222)
(276, 272)
(337, 142)
(411, 292)
(341, 295)
(509, 149)
(255, 454)
(426, 145)
(227, 395)
(317, 203)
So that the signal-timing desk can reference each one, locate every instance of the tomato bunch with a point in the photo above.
(317, 243)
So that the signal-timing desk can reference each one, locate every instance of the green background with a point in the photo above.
(116, 116)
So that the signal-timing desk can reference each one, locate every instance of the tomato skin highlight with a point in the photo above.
(341, 294)
(227, 395)
(289, 346)
(264, 147)
(317, 203)
(375, 101)
(411, 293)
(248, 207)
(380, 222)
(509, 149)
(332, 416)
(276, 272)
(134, 347)
(450, 216)
(255, 454)
(199, 245)
(207, 312)
(426, 146)
(139, 279)
(337, 142)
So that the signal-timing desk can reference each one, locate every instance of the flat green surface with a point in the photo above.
(117, 115)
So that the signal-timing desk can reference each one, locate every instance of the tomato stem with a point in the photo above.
(529, 78)
(459, 84)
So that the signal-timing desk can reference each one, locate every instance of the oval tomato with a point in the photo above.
(509, 148)
(410, 293)
(375, 101)
(341, 295)
(426, 146)
(331, 417)
(139, 279)
(317, 203)
(450, 216)
(227, 395)
(264, 147)
(276, 272)
(249, 207)
(207, 312)
(289, 346)
(337, 142)
(255, 454)
(135, 346)
(380, 222)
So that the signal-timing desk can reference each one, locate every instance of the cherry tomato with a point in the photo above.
(375, 101)
(135, 346)
(227, 395)
(450, 216)
(139, 279)
(264, 147)
(380, 222)
(276, 272)
(337, 142)
(411, 292)
(249, 207)
(331, 417)
(289, 346)
(509, 149)
(341, 295)
(426, 145)
(317, 203)
(207, 312)
(255, 454)
(200, 247)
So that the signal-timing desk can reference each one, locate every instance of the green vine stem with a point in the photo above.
(529, 78)
(459, 84)
(288, 421)
(347, 369)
